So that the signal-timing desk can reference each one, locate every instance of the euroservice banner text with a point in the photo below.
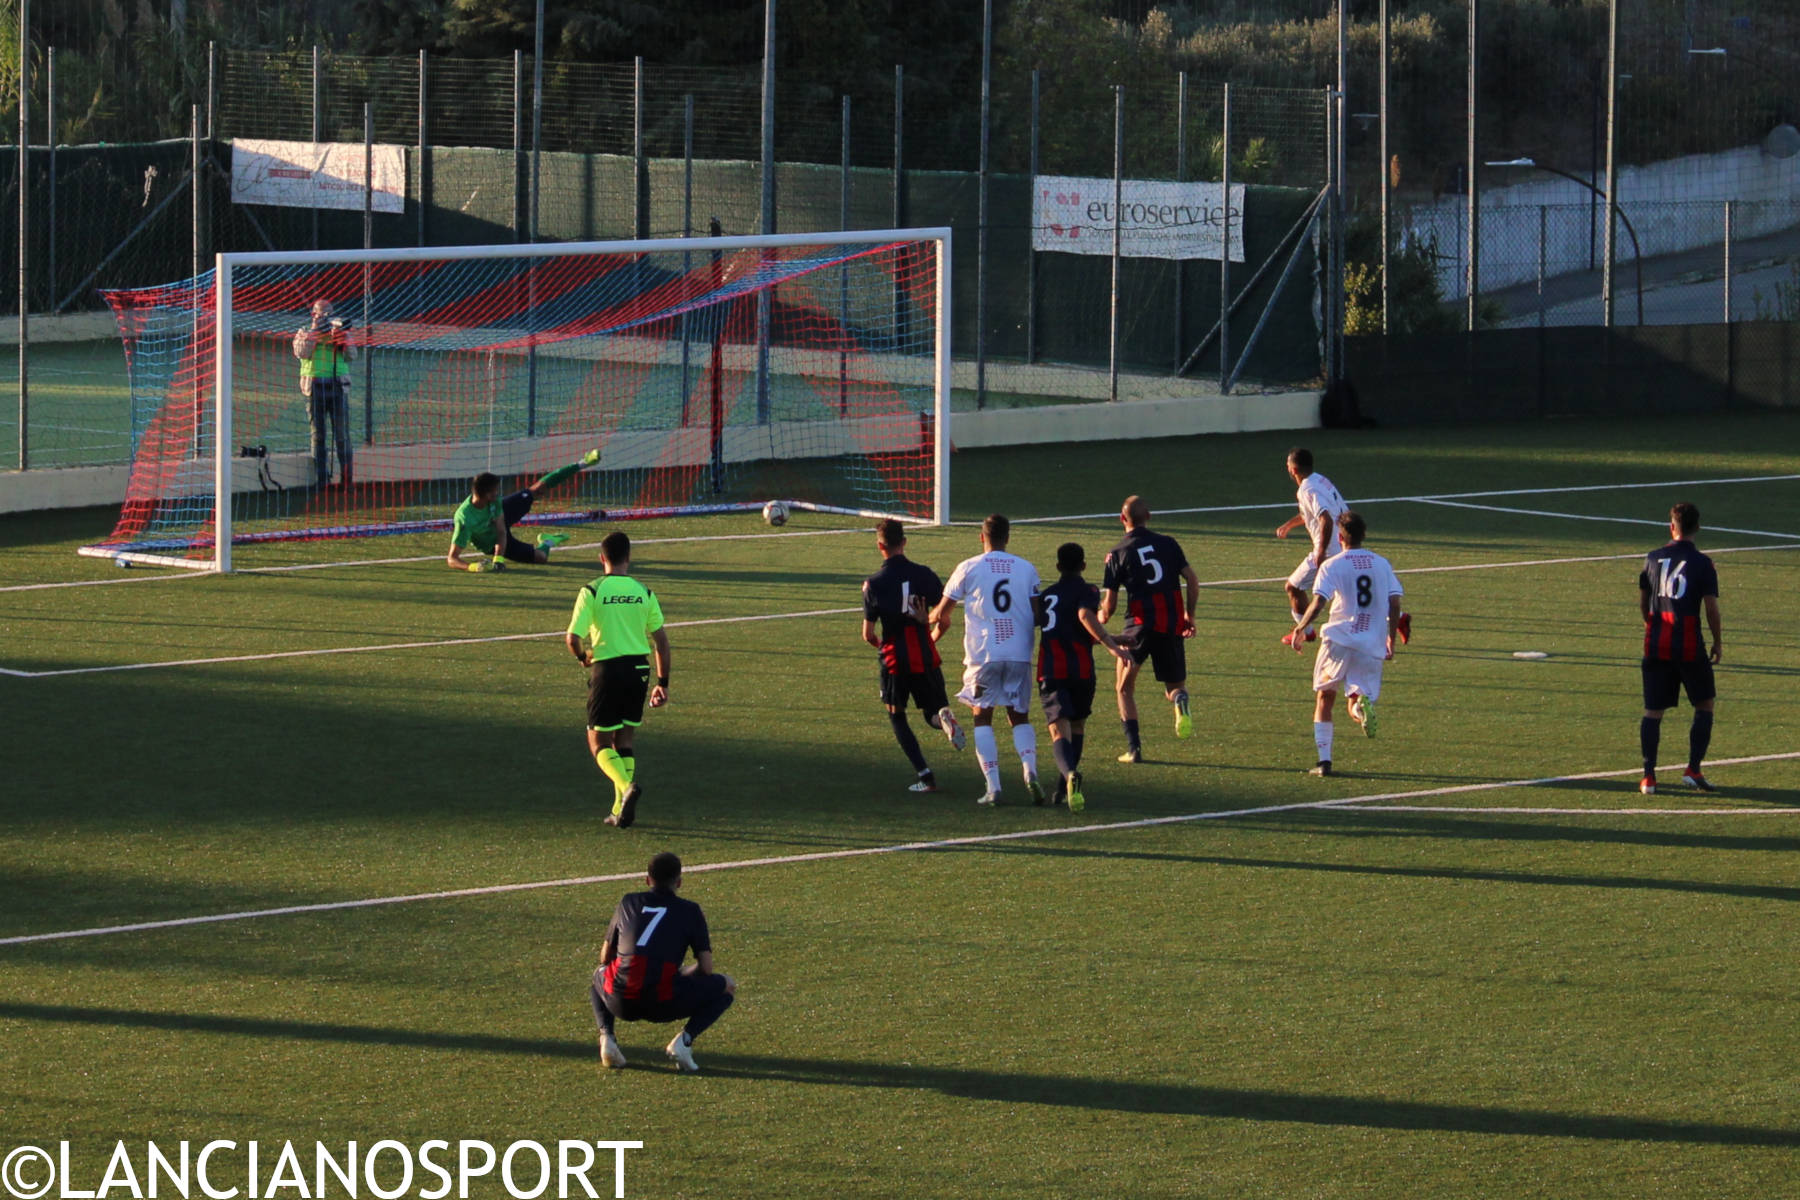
(1161, 219)
(315, 174)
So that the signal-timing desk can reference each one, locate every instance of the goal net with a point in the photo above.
(712, 374)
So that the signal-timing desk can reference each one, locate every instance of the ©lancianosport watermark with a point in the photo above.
(387, 1169)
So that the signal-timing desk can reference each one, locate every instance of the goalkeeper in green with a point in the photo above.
(483, 523)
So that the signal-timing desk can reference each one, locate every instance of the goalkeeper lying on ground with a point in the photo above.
(484, 521)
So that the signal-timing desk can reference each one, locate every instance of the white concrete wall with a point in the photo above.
(1674, 205)
(1162, 417)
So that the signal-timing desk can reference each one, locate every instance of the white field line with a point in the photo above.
(821, 612)
(729, 537)
(1585, 812)
(782, 860)
(474, 641)
(1534, 512)
(1550, 491)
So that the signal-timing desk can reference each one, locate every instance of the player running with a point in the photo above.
(622, 621)
(1068, 613)
(484, 521)
(897, 601)
(1677, 584)
(998, 590)
(1320, 507)
(1150, 568)
(641, 976)
(1364, 595)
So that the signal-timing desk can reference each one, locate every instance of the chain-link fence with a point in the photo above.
(617, 151)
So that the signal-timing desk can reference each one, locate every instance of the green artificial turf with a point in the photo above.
(1292, 1002)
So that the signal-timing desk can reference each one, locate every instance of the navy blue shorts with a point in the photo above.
(1066, 699)
(1664, 681)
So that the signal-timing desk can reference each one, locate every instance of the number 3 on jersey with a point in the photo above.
(1050, 602)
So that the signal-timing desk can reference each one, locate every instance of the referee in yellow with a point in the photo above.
(623, 624)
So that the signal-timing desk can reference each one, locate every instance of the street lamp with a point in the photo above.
(1637, 250)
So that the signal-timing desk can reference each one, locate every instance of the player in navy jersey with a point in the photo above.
(1068, 614)
(641, 976)
(897, 601)
(1677, 585)
(1150, 569)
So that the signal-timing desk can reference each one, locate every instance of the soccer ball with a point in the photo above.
(775, 513)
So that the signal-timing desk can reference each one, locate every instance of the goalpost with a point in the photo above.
(517, 359)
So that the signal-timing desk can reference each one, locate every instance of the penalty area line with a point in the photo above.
(784, 860)
(1584, 812)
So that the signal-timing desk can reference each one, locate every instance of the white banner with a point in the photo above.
(1161, 219)
(315, 174)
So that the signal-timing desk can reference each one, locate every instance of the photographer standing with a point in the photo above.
(324, 356)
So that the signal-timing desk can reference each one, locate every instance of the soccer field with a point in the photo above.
(1476, 961)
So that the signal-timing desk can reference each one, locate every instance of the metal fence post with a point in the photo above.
(194, 234)
(981, 203)
(764, 313)
(1181, 104)
(844, 271)
(1031, 249)
(317, 84)
(899, 217)
(537, 134)
(1473, 189)
(50, 143)
(687, 261)
(518, 144)
(640, 165)
(424, 149)
(368, 280)
(1225, 242)
(1612, 173)
(1112, 368)
(24, 230)
(212, 89)
(1543, 234)
(1387, 182)
(1729, 215)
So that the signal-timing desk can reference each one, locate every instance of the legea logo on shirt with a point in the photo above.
(622, 600)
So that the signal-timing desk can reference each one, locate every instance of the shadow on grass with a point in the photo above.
(1478, 826)
(1242, 1104)
(1751, 891)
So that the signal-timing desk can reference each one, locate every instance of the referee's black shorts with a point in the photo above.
(617, 688)
(1665, 679)
(924, 688)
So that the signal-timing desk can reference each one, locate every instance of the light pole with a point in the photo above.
(1637, 250)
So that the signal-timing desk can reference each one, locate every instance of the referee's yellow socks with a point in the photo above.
(616, 767)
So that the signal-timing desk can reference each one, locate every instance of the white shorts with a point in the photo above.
(998, 685)
(1349, 671)
(1304, 574)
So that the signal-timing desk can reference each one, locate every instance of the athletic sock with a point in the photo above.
(1699, 738)
(987, 753)
(557, 476)
(909, 742)
(613, 764)
(1064, 755)
(1322, 739)
(629, 762)
(1025, 742)
(1649, 735)
(1180, 699)
(1132, 741)
(1076, 741)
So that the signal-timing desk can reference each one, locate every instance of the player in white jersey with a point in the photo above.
(1364, 595)
(996, 590)
(1320, 505)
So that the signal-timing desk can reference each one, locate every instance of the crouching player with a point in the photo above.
(1364, 595)
(1068, 614)
(641, 976)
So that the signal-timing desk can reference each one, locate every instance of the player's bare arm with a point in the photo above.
(1193, 599)
(1321, 538)
(1109, 604)
(578, 648)
(870, 635)
(940, 616)
(659, 645)
(1288, 526)
(1091, 621)
(1306, 618)
(1711, 604)
(1393, 624)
